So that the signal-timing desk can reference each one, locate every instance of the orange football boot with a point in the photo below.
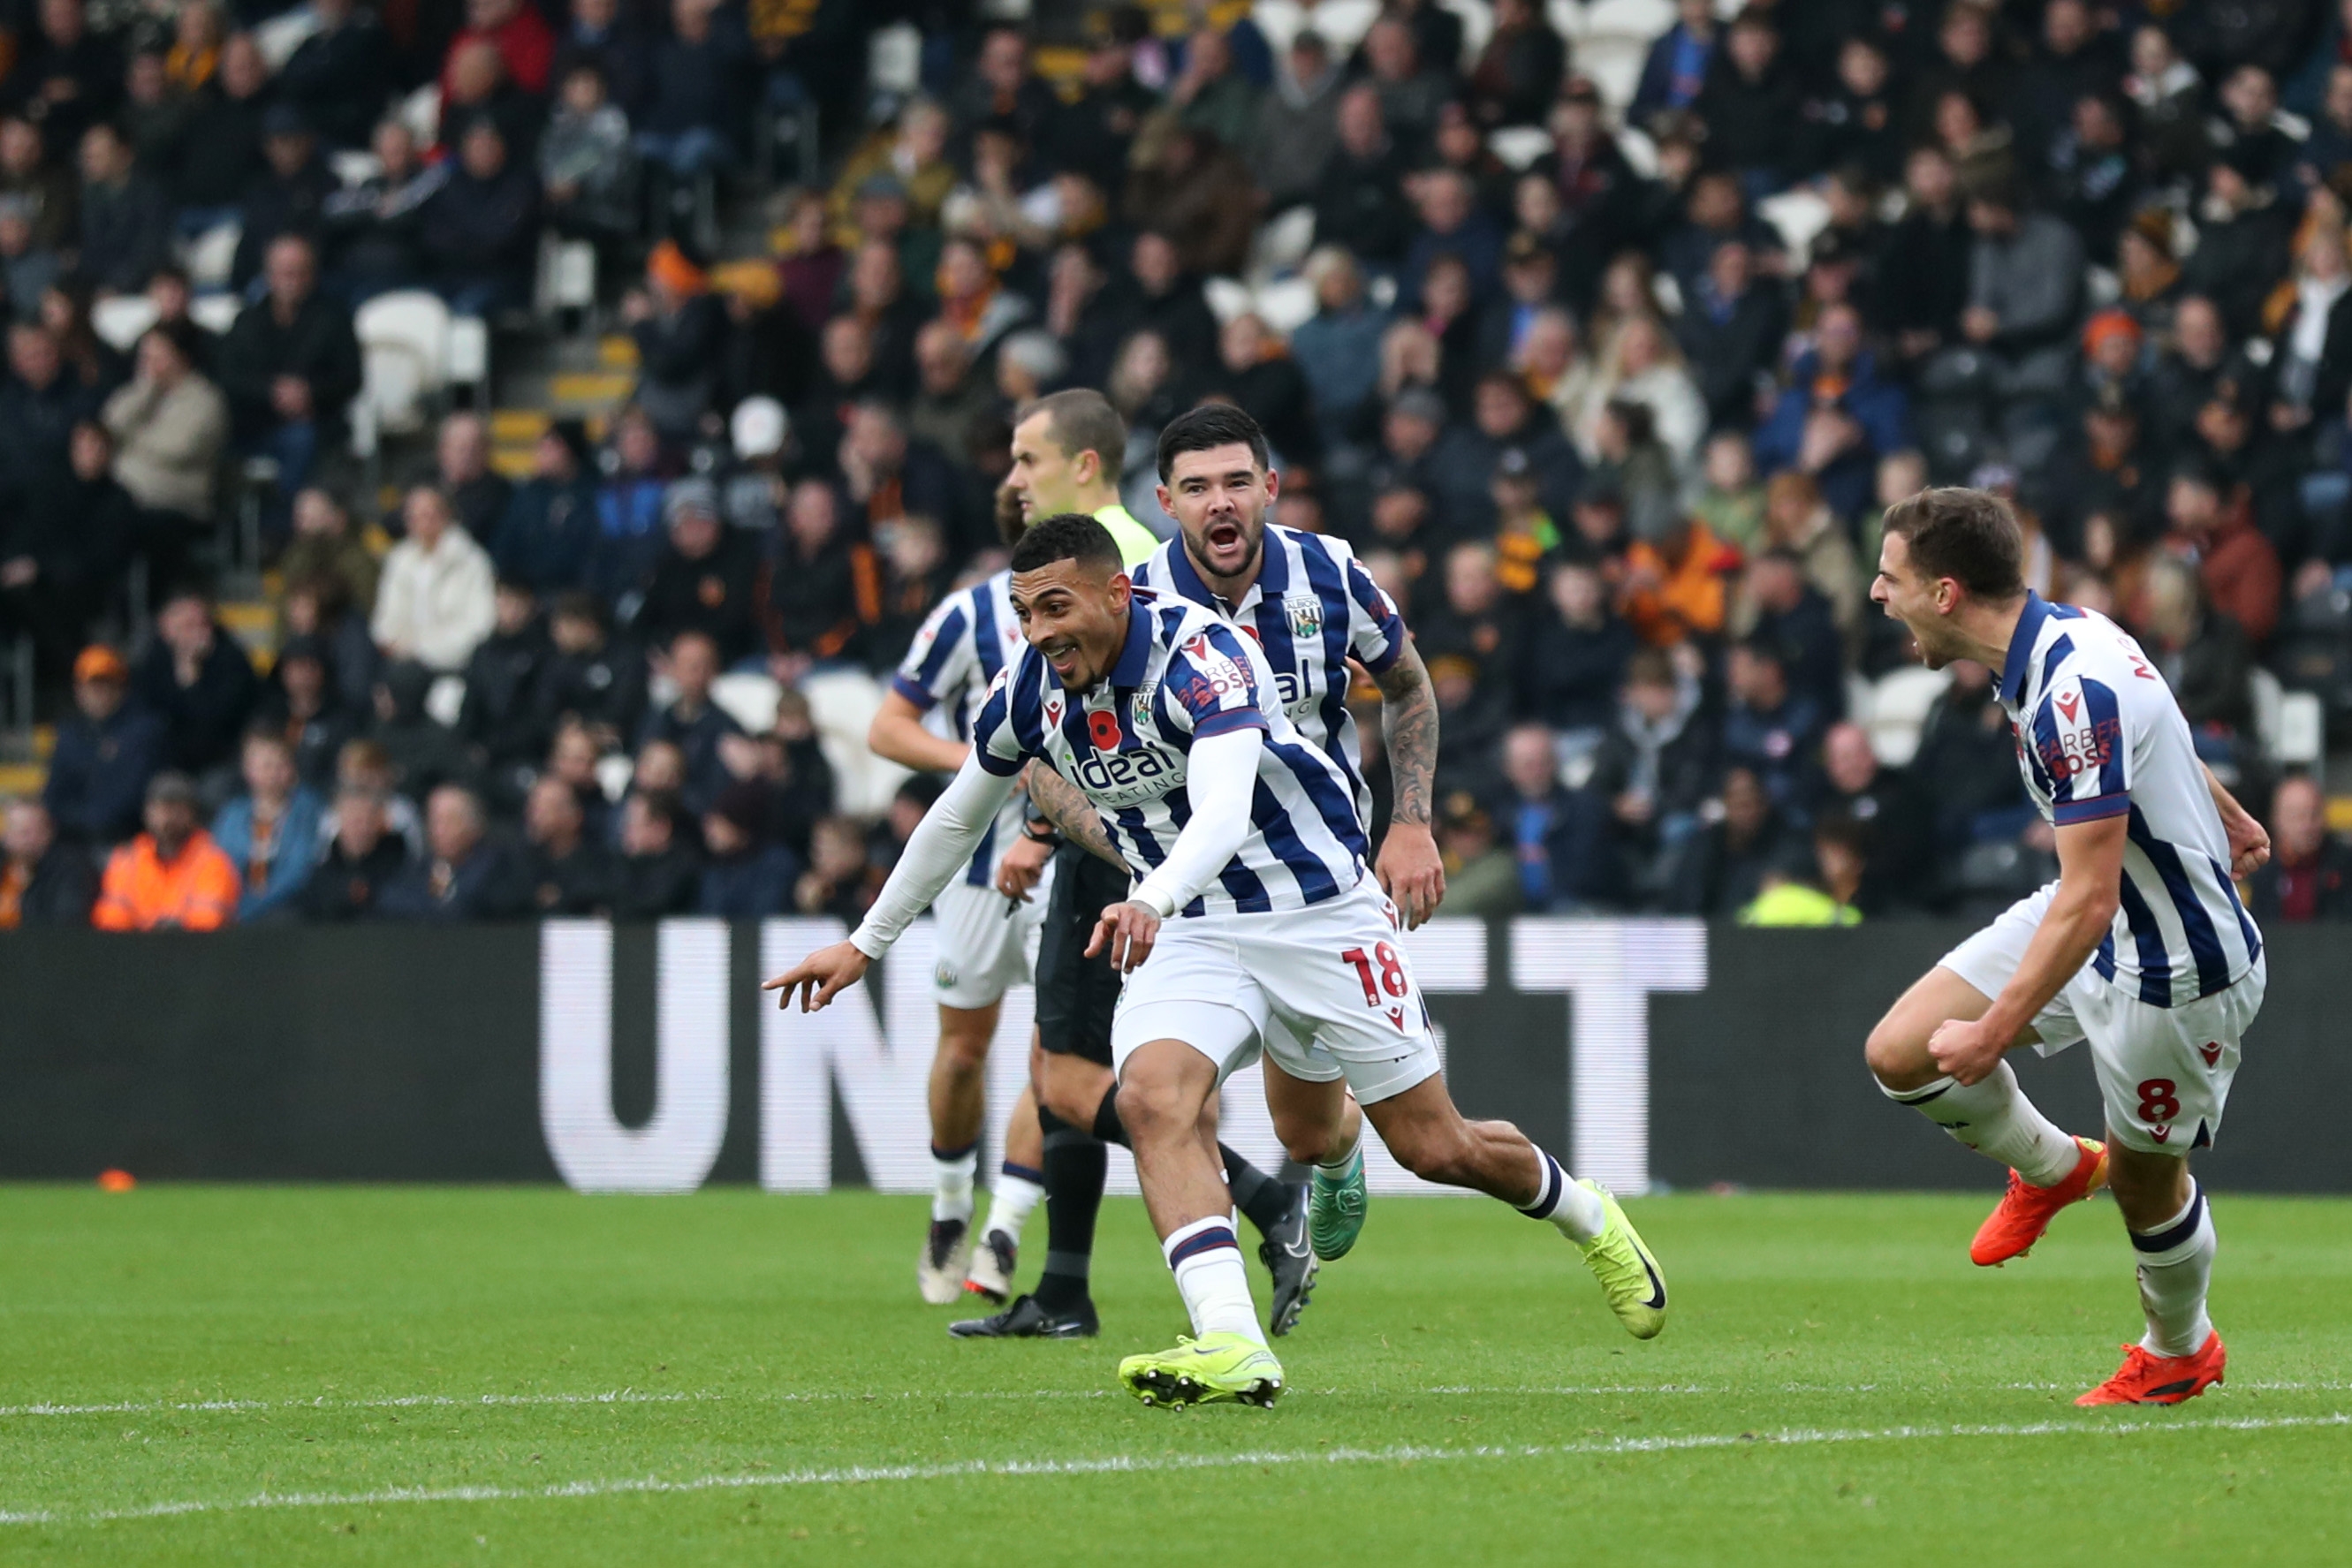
(2025, 1211)
(2147, 1378)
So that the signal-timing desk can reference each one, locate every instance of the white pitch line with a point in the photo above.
(1129, 1464)
(851, 1397)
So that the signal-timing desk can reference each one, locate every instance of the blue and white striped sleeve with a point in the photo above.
(2080, 738)
(1376, 632)
(940, 660)
(1212, 688)
(996, 734)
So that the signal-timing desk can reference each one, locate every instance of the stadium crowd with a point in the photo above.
(1613, 438)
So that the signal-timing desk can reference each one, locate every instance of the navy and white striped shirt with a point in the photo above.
(1183, 674)
(964, 643)
(2099, 735)
(1312, 606)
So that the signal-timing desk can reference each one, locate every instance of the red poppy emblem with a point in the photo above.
(1102, 728)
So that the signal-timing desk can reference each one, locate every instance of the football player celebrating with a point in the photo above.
(1253, 897)
(2140, 947)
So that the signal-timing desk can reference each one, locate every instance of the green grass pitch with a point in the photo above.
(201, 1374)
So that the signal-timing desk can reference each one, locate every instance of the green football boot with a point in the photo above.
(1335, 1210)
(1630, 1277)
(1214, 1369)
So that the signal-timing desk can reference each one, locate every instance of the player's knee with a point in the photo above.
(964, 1038)
(1151, 1110)
(1898, 1057)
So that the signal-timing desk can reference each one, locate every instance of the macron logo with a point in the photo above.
(2067, 702)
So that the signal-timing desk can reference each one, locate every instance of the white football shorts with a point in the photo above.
(2164, 1073)
(1325, 992)
(987, 942)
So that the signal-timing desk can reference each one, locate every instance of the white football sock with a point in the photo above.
(2175, 1266)
(1342, 1167)
(1207, 1263)
(1017, 1190)
(951, 1191)
(1577, 1210)
(1994, 1118)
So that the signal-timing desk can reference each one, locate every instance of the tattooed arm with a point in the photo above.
(1062, 803)
(1408, 866)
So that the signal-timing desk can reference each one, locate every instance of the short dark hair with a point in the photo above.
(1207, 427)
(1066, 535)
(1968, 536)
(1082, 420)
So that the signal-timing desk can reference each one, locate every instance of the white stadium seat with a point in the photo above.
(749, 698)
(1898, 707)
(404, 352)
(215, 313)
(121, 319)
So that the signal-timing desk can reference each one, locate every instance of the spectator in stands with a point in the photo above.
(324, 545)
(1776, 606)
(106, 751)
(1675, 580)
(575, 758)
(171, 876)
(566, 871)
(1731, 334)
(288, 196)
(1566, 860)
(1966, 763)
(660, 873)
(841, 880)
(366, 764)
(39, 405)
(375, 229)
(170, 426)
(679, 328)
(2309, 877)
(1296, 127)
(705, 578)
(157, 111)
(693, 722)
(435, 601)
(42, 881)
(1896, 837)
(1722, 867)
(1837, 417)
(592, 678)
(2024, 292)
(63, 71)
(886, 474)
(62, 553)
(221, 153)
(198, 678)
(502, 721)
(694, 108)
(271, 831)
(290, 365)
(1575, 658)
(2241, 570)
(27, 267)
(789, 763)
(549, 530)
(303, 707)
(340, 76)
(45, 192)
(479, 233)
(463, 875)
(525, 43)
(363, 858)
(1337, 348)
(1770, 729)
(477, 492)
(588, 162)
(126, 220)
(746, 875)
(1676, 70)
(950, 400)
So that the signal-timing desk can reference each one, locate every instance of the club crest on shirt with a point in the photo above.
(1305, 613)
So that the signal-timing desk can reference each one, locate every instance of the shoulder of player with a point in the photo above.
(1152, 571)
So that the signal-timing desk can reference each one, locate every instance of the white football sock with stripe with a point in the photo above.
(1017, 1190)
(1993, 1117)
(1207, 1263)
(2175, 1267)
(1577, 1210)
(951, 1179)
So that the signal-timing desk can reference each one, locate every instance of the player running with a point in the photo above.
(1252, 899)
(2140, 947)
(1066, 449)
(987, 944)
(1311, 608)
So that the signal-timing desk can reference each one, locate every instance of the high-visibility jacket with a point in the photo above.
(195, 890)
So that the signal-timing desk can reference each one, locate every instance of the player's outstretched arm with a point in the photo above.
(897, 734)
(1220, 778)
(1410, 868)
(2250, 842)
(2090, 880)
(939, 848)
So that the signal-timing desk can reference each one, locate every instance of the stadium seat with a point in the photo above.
(1518, 145)
(1280, 21)
(1227, 297)
(445, 699)
(1638, 20)
(1282, 243)
(566, 275)
(843, 702)
(211, 257)
(613, 776)
(215, 313)
(1614, 63)
(1859, 698)
(894, 59)
(1898, 707)
(121, 318)
(354, 165)
(1797, 216)
(1342, 24)
(2291, 726)
(469, 356)
(1478, 25)
(1287, 303)
(420, 113)
(404, 348)
(280, 37)
(749, 698)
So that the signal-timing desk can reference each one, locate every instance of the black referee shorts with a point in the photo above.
(1076, 994)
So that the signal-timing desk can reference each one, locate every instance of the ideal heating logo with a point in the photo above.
(872, 1049)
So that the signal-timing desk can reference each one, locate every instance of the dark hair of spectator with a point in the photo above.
(1650, 667)
(1208, 427)
(1082, 420)
(1066, 535)
(660, 806)
(1968, 536)
(263, 735)
(1840, 828)
(579, 605)
(1767, 649)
